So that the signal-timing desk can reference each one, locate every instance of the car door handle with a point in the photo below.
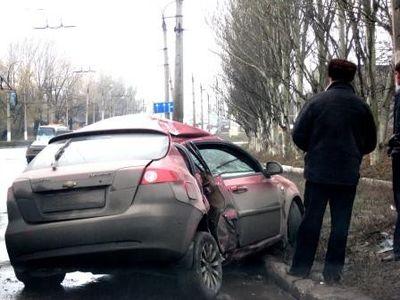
(239, 189)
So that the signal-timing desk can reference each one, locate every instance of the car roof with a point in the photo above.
(131, 123)
(55, 126)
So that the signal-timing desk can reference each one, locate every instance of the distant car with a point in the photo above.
(44, 134)
(129, 193)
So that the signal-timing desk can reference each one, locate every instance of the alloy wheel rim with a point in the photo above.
(209, 266)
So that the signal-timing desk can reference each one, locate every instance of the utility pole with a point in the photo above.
(8, 108)
(94, 112)
(194, 102)
(67, 113)
(208, 112)
(218, 114)
(8, 118)
(396, 30)
(166, 65)
(201, 108)
(81, 71)
(25, 120)
(87, 106)
(102, 105)
(178, 86)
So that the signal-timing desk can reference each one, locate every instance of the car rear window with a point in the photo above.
(103, 148)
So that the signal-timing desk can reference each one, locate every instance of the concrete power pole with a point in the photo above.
(87, 106)
(8, 118)
(396, 29)
(178, 86)
(166, 65)
(201, 107)
(208, 112)
(194, 102)
(87, 92)
(102, 105)
(67, 113)
(94, 112)
(25, 120)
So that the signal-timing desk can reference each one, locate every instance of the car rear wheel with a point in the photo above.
(293, 223)
(36, 282)
(204, 279)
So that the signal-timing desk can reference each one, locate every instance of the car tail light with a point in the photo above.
(152, 176)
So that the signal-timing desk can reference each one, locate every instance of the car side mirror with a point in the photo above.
(273, 168)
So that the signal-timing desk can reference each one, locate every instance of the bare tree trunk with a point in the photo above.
(396, 29)
(342, 34)
(370, 64)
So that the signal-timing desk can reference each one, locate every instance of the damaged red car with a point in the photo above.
(137, 192)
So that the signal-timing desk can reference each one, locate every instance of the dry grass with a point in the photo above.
(371, 216)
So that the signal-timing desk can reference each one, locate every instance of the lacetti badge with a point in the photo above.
(99, 174)
(69, 184)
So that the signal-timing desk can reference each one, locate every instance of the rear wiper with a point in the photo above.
(59, 153)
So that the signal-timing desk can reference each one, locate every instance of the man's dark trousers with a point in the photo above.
(396, 194)
(316, 197)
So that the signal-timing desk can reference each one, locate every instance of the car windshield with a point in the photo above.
(103, 148)
(46, 131)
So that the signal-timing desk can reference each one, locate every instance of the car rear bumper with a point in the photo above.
(156, 228)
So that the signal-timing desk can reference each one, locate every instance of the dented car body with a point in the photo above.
(145, 191)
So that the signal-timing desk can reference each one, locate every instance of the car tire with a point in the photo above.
(293, 223)
(204, 279)
(37, 282)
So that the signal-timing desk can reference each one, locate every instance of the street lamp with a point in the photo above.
(167, 79)
(11, 93)
(81, 71)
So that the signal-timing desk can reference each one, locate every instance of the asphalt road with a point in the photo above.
(12, 163)
(246, 280)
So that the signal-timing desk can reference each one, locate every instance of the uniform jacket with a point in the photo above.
(335, 129)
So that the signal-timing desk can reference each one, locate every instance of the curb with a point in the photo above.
(307, 289)
(370, 181)
(14, 144)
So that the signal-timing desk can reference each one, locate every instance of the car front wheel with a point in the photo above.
(204, 279)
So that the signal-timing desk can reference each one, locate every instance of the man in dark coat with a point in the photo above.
(394, 150)
(335, 129)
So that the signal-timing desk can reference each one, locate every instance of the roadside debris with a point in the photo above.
(386, 245)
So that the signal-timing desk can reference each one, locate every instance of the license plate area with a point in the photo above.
(77, 199)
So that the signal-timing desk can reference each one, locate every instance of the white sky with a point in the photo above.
(120, 37)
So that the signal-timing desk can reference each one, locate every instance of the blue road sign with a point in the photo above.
(163, 107)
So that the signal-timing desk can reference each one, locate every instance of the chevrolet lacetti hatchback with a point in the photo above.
(136, 192)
